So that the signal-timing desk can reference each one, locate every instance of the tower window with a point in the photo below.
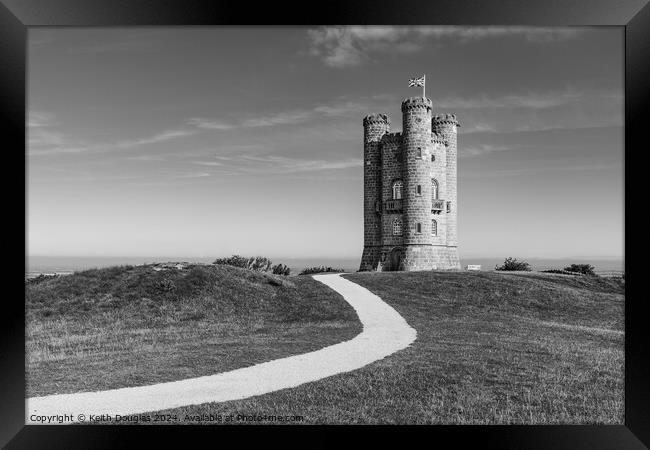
(433, 157)
(397, 227)
(448, 207)
(434, 228)
(397, 190)
(419, 153)
(418, 189)
(418, 227)
(434, 189)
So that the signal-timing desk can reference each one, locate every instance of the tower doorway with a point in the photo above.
(395, 260)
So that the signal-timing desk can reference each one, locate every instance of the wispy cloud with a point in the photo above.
(210, 124)
(39, 119)
(351, 46)
(479, 150)
(208, 163)
(289, 117)
(527, 170)
(530, 100)
(45, 141)
(274, 164)
(155, 139)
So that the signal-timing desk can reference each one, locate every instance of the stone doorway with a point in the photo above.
(395, 260)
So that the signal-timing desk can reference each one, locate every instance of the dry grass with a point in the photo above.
(91, 331)
(492, 348)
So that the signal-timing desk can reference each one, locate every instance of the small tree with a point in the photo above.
(281, 269)
(259, 263)
(585, 269)
(234, 260)
(513, 264)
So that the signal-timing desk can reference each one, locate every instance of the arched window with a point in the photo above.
(419, 154)
(434, 189)
(434, 227)
(397, 189)
(397, 227)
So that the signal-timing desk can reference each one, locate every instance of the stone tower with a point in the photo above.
(410, 220)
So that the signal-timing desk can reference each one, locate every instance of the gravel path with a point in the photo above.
(384, 332)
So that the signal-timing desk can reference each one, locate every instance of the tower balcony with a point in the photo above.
(393, 206)
(437, 206)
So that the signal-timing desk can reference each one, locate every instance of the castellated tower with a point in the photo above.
(410, 220)
(374, 128)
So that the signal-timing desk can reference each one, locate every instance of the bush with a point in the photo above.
(281, 269)
(562, 272)
(513, 264)
(259, 264)
(40, 278)
(319, 269)
(234, 260)
(585, 269)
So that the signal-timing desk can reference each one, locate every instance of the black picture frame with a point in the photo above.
(17, 15)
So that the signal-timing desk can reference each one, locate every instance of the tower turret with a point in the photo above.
(416, 142)
(374, 128)
(445, 125)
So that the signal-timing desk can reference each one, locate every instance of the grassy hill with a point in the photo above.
(135, 325)
(492, 348)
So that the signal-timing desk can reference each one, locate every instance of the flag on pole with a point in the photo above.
(413, 82)
(421, 81)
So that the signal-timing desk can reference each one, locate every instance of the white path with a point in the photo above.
(384, 332)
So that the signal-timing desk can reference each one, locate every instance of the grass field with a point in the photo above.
(129, 326)
(492, 348)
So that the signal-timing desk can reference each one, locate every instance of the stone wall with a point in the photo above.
(374, 128)
(391, 154)
(416, 144)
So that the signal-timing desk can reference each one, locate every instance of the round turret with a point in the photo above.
(445, 126)
(416, 142)
(375, 126)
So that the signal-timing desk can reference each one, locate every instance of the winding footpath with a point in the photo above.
(384, 333)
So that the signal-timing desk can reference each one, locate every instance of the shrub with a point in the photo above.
(234, 260)
(563, 272)
(319, 269)
(281, 269)
(259, 264)
(256, 263)
(513, 264)
(40, 278)
(585, 269)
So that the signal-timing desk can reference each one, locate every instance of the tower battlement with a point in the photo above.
(376, 118)
(392, 137)
(410, 190)
(445, 119)
(416, 102)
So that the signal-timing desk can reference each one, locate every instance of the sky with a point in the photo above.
(210, 141)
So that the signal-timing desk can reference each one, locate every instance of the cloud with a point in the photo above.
(39, 119)
(46, 142)
(290, 117)
(273, 164)
(208, 163)
(209, 124)
(526, 100)
(527, 170)
(155, 139)
(351, 46)
(479, 150)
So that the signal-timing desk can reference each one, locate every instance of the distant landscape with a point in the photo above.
(67, 264)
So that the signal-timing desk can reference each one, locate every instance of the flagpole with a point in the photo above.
(424, 86)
